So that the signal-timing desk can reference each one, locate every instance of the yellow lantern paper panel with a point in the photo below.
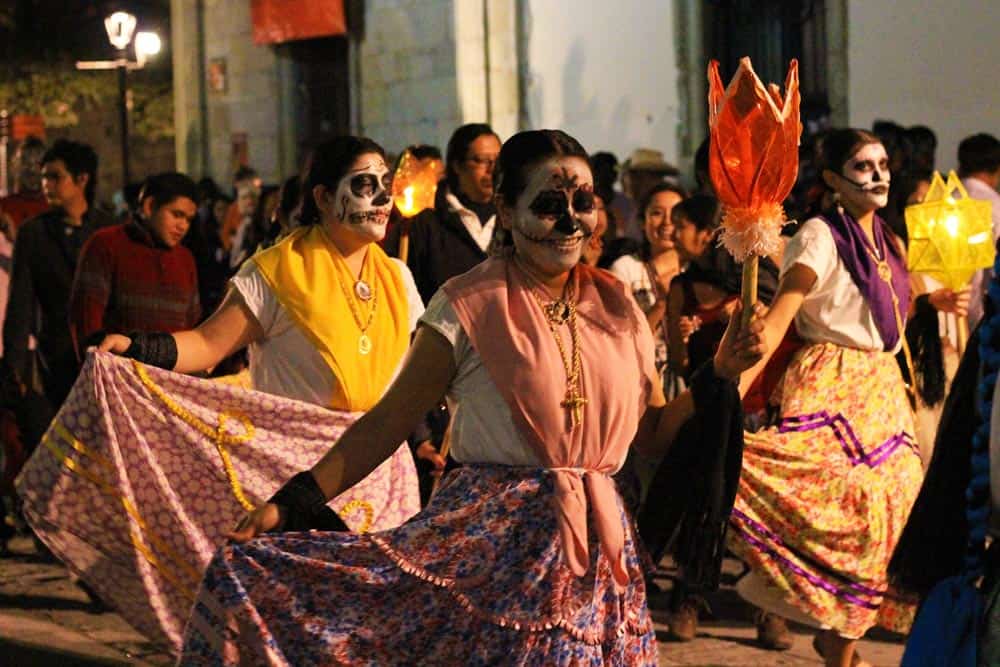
(415, 184)
(951, 237)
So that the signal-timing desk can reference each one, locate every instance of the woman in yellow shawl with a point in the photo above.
(129, 490)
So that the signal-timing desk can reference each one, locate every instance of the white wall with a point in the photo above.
(926, 62)
(408, 88)
(605, 72)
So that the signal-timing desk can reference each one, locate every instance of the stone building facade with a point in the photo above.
(617, 75)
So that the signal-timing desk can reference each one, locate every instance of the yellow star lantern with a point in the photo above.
(415, 184)
(951, 237)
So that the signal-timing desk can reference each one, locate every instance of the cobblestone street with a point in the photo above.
(45, 619)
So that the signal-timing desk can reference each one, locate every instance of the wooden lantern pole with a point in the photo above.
(749, 287)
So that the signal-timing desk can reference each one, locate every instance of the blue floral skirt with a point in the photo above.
(478, 578)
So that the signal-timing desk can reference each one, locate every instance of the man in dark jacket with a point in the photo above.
(45, 256)
(453, 237)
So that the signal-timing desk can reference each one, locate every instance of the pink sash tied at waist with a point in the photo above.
(573, 487)
(507, 327)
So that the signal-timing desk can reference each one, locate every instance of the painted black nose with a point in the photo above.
(567, 224)
(382, 199)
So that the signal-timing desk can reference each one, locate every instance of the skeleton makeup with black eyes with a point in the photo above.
(864, 179)
(555, 214)
(363, 200)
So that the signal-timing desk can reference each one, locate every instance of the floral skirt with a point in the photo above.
(824, 495)
(142, 473)
(477, 578)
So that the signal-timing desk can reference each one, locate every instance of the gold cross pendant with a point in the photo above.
(575, 404)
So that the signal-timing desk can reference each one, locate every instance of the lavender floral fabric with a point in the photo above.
(130, 490)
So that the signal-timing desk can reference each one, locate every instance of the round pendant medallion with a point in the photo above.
(885, 271)
(364, 344)
(363, 290)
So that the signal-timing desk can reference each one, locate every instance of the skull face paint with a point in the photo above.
(863, 184)
(363, 197)
(554, 215)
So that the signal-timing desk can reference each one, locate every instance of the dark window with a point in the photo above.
(322, 88)
(772, 32)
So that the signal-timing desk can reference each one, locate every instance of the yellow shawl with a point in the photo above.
(311, 280)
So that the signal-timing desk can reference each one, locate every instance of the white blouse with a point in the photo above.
(482, 430)
(634, 273)
(284, 362)
(834, 310)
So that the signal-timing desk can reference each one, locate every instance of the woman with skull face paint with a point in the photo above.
(547, 365)
(327, 317)
(825, 493)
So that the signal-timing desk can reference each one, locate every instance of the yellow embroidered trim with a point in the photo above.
(218, 435)
(109, 490)
(365, 507)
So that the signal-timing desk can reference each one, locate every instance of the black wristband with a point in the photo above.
(305, 505)
(300, 493)
(154, 349)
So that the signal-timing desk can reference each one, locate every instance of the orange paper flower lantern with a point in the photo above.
(415, 184)
(754, 155)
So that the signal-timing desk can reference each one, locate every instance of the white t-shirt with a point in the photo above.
(284, 362)
(482, 430)
(633, 272)
(834, 310)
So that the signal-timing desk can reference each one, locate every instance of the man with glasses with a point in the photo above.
(452, 237)
(446, 241)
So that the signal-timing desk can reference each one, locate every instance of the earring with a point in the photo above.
(837, 202)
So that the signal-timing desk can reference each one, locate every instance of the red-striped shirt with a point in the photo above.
(125, 282)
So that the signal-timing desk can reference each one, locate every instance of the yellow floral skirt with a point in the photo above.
(825, 493)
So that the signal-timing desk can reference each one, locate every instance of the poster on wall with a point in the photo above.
(240, 151)
(217, 75)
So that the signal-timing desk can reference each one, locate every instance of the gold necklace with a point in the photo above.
(364, 291)
(364, 342)
(558, 312)
(885, 274)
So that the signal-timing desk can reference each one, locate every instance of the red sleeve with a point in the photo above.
(91, 291)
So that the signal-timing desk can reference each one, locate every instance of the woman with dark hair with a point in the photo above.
(327, 317)
(649, 270)
(699, 304)
(455, 235)
(547, 365)
(824, 494)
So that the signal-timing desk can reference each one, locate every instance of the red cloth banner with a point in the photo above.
(277, 21)
(23, 126)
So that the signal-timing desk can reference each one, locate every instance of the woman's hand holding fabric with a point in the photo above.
(115, 344)
(265, 518)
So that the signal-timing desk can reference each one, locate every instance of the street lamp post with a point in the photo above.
(120, 27)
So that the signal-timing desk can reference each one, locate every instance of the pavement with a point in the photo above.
(46, 619)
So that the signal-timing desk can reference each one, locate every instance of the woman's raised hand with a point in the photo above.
(742, 346)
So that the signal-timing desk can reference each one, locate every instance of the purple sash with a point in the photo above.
(853, 247)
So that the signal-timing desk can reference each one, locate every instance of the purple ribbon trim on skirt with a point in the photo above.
(850, 443)
(766, 532)
(814, 579)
